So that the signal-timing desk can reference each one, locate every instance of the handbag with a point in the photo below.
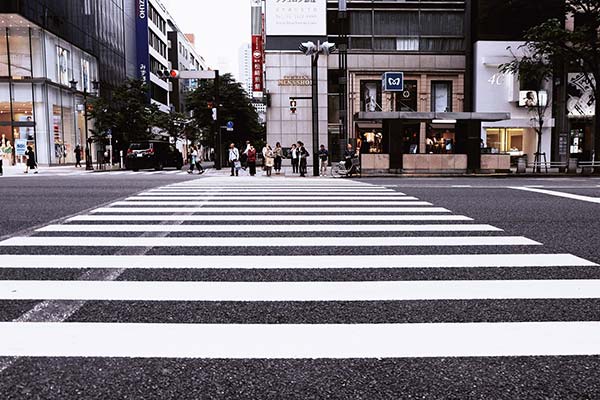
(237, 164)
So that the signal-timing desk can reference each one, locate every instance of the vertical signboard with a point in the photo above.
(257, 63)
(141, 33)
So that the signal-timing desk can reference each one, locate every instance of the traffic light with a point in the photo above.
(214, 114)
(293, 106)
(165, 74)
(209, 105)
(174, 74)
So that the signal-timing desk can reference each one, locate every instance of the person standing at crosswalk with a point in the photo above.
(302, 156)
(234, 159)
(294, 158)
(252, 160)
(278, 153)
(323, 158)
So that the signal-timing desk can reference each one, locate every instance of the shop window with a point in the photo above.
(370, 96)
(371, 142)
(3, 54)
(441, 96)
(6, 136)
(20, 52)
(63, 65)
(440, 140)
(37, 54)
(507, 141)
(406, 100)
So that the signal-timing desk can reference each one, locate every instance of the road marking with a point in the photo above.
(269, 217)
(461, 186)
(293, 210)
(293, 262)
(299, 291)
(261, 203)
(274, 190)
(589, 199)
(210, 196)
(293, 341)
(336, 241)
(270, 228)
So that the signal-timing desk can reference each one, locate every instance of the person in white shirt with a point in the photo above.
(234, 158)
(295, 159)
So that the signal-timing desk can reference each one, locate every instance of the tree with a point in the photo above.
(537, 70)
(234, 106)
(579, 48)
(128, 113)
(174, 124)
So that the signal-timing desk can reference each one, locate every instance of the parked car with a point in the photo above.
(153, 154)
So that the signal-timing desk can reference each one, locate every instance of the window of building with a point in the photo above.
(406, 100)
(441, 96)
(370, 96)
(3, 54)
(515, 142)
(20, 52)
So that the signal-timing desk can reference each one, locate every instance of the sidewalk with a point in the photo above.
(18, 169)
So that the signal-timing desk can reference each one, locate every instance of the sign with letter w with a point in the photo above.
(393, 81)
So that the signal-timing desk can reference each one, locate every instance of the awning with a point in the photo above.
(430, 116)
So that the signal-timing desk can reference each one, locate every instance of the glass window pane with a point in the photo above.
(20, 52)
(361, 23)
(3, 54)
(6, 135)
(396, 23)
(441, 96)
(37, 58)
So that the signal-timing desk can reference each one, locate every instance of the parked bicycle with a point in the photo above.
(340, 170)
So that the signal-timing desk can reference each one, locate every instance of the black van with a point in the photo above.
(153, 154)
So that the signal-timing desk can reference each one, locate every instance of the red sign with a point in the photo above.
(257, 63)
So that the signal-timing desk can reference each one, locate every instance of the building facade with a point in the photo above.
(53, 56)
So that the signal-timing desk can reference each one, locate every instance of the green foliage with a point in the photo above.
(128, 113)
(234, 106)
(579, 49)
(174, 124)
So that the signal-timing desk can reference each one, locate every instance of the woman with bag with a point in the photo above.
(269, 160)
(252, 160)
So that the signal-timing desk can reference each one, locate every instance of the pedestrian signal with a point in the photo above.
(293, 106)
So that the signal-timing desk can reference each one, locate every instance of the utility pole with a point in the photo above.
(315, 112)
(219, 150)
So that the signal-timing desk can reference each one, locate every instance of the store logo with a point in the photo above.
(394, 82)
(142, 9)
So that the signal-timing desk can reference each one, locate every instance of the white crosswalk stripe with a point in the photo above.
(285, 241)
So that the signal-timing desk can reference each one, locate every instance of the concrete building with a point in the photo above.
(50, 66)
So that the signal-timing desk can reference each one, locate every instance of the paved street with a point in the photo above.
(174, 286)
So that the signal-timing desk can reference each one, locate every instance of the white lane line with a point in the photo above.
(588, 199)
(274, 190)
(336, 241)
(210, 196)
(261, 203)
(283, 341)
(293, 262)
(299, 291)
(271, 228)
(294, 210)
(461, 186)
(268, 217)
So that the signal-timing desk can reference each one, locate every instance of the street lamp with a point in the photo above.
(95, 85)
(313, 50)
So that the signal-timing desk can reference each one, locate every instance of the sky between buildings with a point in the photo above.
(220, 26)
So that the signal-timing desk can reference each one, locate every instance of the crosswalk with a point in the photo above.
(245, 241)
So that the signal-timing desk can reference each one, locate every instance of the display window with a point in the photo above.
(371, 142)
(508, 141)
(440, 141)
(370, 96)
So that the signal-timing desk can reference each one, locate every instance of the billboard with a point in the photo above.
(296, 18)
(580, 95)
(531, 98)
(257, 63)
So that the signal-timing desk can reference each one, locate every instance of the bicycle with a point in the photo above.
(339, 170)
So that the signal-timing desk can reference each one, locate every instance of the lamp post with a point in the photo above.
(312, 50)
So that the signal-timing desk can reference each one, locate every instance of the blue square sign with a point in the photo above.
(393, 81)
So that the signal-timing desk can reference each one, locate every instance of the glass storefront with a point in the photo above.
(41, 94)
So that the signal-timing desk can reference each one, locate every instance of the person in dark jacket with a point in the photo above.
(323, 158)
(77, 152)
(302, 155)
(31, 163)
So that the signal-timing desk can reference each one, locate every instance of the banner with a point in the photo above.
(296, 18)
(141, 35)
(257, 63)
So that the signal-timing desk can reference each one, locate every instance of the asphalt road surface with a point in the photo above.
(160, 286)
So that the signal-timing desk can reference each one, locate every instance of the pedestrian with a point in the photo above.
(77, 152)
(31, 163)
(244, 156)
(234, 159)
(269, 160)
(193, 158)
(349, 154)
(294, 157)
(198, 163)
(278, 153)
(264, 154)
(252, 160)
(302, 156)
(323, 157)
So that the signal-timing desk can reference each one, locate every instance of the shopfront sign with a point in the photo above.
(20, 147)
(393, 82)
(257, 63)
(142, 46)
(296, 18)
(581, 101)
(295, 80)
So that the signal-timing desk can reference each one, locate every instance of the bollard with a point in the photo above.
(572, 166)
(521, 165)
